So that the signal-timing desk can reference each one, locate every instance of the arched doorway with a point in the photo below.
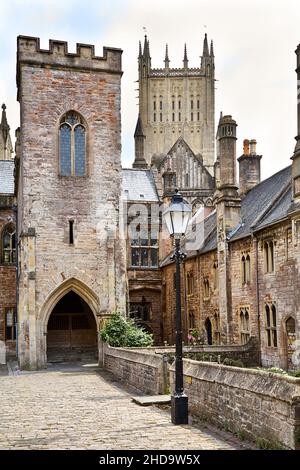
(208, 331)
(71, 330)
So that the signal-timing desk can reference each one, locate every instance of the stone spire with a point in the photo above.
(212, 49)
(6, 148)
(146, 51)
(205, 47)
(167, 60)
(185, 58)
(140, 49)
(139, 138)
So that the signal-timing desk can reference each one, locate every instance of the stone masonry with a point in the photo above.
(50, 83)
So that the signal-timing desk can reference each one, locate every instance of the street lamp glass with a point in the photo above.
(177, 216)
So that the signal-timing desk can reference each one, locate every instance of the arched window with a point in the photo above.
(216, 275)
(244, 325)
(206, 288)
(269, 256)
(9, 244)
(217, 329)
(246, 269)
(72, 145)
(271, 325)
(190, 283)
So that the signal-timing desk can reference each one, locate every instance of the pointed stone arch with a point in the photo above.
(60, 291)
(69, 285)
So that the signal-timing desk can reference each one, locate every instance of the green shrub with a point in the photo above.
(120, 331)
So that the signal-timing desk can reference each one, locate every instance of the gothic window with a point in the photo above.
(173, 117)
(72, 145)
(160, 105)
(173, 105)
(190, 283)
(271, 325)
(140, 311)
(154, 105)
(10, 323)
(179, 117)
(244, 325)
(9, 244)
(192, 104)
(160, 117)
(216, 275)
(154, 117)
(206, 288)
(198, 104)
(217, 328)
(192, 116)
(269, 256)
(198, 116)
(288, 243)
(179, 104)
(246, 269)
(144, 249)
(187, 180)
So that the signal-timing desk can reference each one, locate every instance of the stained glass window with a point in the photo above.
(72, 145)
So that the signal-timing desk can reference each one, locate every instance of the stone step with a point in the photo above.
(152, 400)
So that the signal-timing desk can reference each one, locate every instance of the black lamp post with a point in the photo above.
(177, 217)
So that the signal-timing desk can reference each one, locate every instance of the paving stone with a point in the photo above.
(53, 409)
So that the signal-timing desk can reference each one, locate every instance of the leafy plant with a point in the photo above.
(120, 331)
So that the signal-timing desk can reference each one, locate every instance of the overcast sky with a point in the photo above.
(254, 43)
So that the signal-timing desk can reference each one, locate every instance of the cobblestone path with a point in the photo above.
(78, 407)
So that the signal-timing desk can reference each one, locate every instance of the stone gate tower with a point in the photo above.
(177, 102)
(71, 256)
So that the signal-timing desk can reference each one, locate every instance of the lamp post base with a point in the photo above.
(179, 409)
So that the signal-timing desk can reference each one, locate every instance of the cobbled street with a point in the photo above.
(81, 407)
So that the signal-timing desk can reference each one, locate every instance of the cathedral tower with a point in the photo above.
(177, 103)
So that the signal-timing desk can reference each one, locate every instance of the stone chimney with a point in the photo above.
(249, 167)
(227, 199)
(139, 138)
(296, 156)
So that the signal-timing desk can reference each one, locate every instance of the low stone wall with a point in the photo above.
(248, 354)
(140, 369)
(254, 404)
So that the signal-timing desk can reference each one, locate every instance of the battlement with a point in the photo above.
(29, 52)
(177, 72)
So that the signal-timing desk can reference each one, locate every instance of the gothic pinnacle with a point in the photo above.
(167, 60)
(185, 59)
(205, 47)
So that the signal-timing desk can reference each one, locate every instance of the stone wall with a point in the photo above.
(7, 283)
(279, 288)
(145, 371)
(254, 404)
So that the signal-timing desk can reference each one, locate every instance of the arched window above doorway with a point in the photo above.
(72, 145)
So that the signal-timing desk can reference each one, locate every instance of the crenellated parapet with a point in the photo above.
(30, 52)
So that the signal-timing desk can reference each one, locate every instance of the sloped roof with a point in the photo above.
(267, 203)
(138, 185)
(6, 177)
(262, 201)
